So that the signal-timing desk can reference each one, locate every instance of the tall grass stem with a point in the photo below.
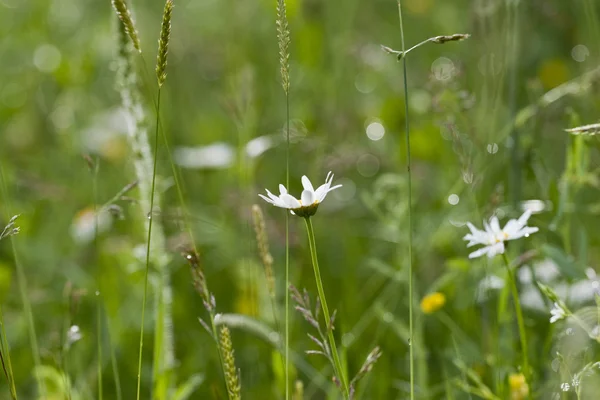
(22, 284)
(315, 262)
(95, 167)
(410, 227)
(4, 349)
(151, 219)
(520, 321)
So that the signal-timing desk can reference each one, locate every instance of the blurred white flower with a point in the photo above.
(309, 200)
(83, 228)
(493, 237)
(557, 313)
(73, 335)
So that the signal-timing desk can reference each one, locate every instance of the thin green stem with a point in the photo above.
(336, 358)
(520, 321)
(4, 349)
(22, 284)
(115, 368)
(410, 228)
(287, 252)
(150, 218)
(184, 207)
(98, 300)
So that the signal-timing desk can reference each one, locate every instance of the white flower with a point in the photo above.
(493, 237)
(557, 313)
(309, 200)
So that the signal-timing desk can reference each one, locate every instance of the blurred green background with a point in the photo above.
(487, 118)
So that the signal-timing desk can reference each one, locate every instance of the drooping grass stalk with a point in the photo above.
(283, 39)
(339, 370)
(6, 366)
(456, 37)
(520, 321)
(22, 284)
(410, 227)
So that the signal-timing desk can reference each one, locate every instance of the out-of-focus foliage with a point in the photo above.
(487, 128)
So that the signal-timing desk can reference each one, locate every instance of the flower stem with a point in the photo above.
(151, 218)
(410, 228)
(519, 311)
(336, 359)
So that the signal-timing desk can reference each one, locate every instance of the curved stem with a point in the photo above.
(336, 358)
(151, 218)
(519, 312)
(410, 228)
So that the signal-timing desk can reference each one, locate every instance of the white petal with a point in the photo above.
(282, 189)
(495, 249)
(321, 191)
(328, 190)
(276, 201)
(525, 217)
(528, 230)
(290, 201)
(472, 228)
(329, 177)
(306, 184)
(511, 227)
(271, 195)
(479, 253)
(495, 224)
(308, 197)
(265, 198)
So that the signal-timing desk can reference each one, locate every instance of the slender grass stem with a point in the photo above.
(287, 251)
(115, 367)
(22, 284)
(336, 358)
(98, 298)
(6, 367)
(184, 207)
(410, 228)
(150, 218)
(519, 312)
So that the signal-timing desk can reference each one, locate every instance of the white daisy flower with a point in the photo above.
(557, 313)
(309, 200)
(493, 237)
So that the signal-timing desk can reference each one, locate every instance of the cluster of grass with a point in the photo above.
(137, 261)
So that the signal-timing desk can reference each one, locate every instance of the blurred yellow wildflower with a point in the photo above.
(433, 302)
(519, 389)
(553, 73)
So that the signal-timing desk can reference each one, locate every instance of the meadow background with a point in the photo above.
(487, 129)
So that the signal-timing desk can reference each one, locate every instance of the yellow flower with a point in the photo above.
(519, 389)
(433, 302)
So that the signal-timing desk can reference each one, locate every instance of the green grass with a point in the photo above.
(487, 120)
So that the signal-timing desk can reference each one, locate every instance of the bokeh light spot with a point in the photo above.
(46, 58)
(367, 165)
(443, 69)
(580, 53)
(375, 130)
